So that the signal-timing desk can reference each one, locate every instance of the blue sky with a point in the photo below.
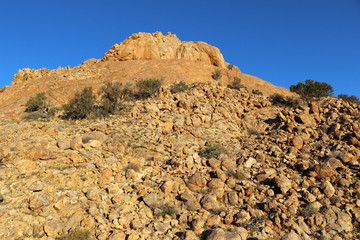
(281, 41)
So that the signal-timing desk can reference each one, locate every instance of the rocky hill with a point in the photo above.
(210, 162)
(141, 56)
(207, 163)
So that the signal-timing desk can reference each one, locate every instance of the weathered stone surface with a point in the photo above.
(291, 236)
(151, 199)
(158, 46)
(283, 183)
(76, 143)
(209, 203)
(38, 200)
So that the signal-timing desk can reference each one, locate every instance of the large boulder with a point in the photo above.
(147, 46)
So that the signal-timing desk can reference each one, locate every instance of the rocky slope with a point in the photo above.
(142, 55)
(208, 163)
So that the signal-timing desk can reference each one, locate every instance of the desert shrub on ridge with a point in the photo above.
(236, 84)
(278, 99)
(216, 75)
(81, 106)
(148, 87)
(36, 103)
(348, 98)
(312, 90)
(212, 151)
(179, 87)
(112, 94)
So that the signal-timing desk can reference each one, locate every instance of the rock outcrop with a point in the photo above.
(141, 56)
(146, 46)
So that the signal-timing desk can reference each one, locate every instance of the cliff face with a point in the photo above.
(148, 46)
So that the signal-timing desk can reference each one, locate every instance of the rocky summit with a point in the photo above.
(209, 162)
(142, 55)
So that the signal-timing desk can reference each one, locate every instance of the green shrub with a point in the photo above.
(212, 151)
(148, 87)
(179, 87)
(1, 198)
(256, 92)
(230, 66)
(164, 210)
(278, 99)
(76, 235)
(216, 75)
(312, 90)
(236, 84)
(112, 94)
(348, 98)
(81, 106)
(36, 103)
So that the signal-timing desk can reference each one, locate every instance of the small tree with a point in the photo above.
(348, 98)
(311, 89)
(111, 95)
(179, 87)
(278, 99)
(81, 106)
(148, 87)
(236, 84)
(36, 103)
(216, 75)
(257, 92)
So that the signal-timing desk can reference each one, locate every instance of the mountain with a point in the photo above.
(142, 55)
(210, 162)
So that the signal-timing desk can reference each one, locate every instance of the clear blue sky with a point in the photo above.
(280, 41)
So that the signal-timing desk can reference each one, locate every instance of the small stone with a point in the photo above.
(291, 236)
(76, 143)
(328, 189)
(283, 183)
(52, 227)
(167, 187)
(208, 202)
(248, 163)
(37, 153)
(38, 200)
(297, 142)
(63, 143)
(151, 199)
(93, 195)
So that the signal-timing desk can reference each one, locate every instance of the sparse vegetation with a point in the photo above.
(212, 151)
(81, 106)
(253, 131)
(36, 103)
(278, 99)
(216, 75)
(236, 174)
(179, 87)
(111, 96)
(257, 92)
(148, 87)
(76, 235)
(236, 84)
(348, 98)
(1, 198)
(312, 90)
(230, 66)
(133, 166)
(164, 210)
